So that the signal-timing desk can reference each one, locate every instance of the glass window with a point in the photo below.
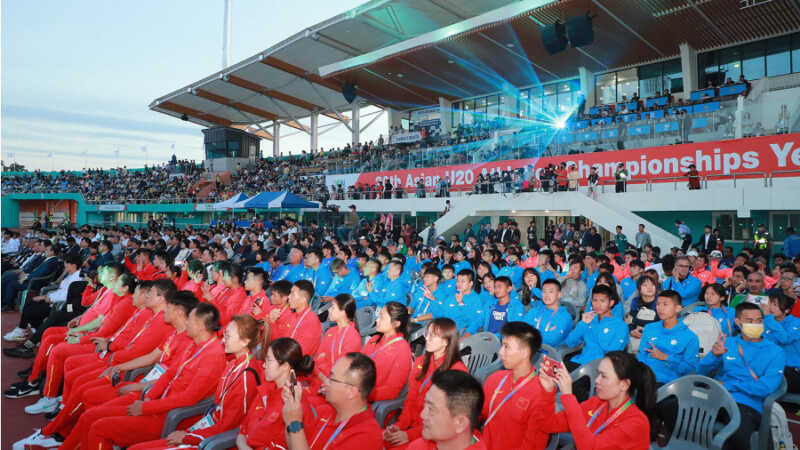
(492, 103)
(627, 84)
(606, 88)
(650, 80)
(753, 60)
(536, 102)
(708, 63)
(781, 221)
(796, 52)
(778, 62)
(524, 103)
(673, 76)
(469, 107)
(480, 105)
(724, 221)
(730, 63)
(743, 229)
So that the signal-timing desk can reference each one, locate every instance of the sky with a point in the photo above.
(76, 76)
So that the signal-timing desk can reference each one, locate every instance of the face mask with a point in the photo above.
(753, 330)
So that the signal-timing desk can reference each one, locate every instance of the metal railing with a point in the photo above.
(781, 172)
(734, 175)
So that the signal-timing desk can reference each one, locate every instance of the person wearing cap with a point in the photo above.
(762, 244)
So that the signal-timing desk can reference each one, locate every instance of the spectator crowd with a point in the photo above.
(372, 337)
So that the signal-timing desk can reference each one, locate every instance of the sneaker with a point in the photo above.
(44, 405)
(22, 389)
(16, 335)
(36, 441)
(20, 445)
(20, 351)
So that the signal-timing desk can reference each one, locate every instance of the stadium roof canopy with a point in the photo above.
(407, 53)
(282, 82)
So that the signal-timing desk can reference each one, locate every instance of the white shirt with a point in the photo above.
(60, 294)
(11, 246)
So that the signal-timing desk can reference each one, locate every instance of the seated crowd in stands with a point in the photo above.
(303, 337)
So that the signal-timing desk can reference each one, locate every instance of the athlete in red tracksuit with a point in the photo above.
(127, 420)
(143, 332)
(392, 357)
(122, 308)
(100, 390)
(100, 301)
(338, 341)
(143, 268)
(409, 420)
(235, 391)
(83, 369)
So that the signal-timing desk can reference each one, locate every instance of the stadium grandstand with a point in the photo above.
(580, 231)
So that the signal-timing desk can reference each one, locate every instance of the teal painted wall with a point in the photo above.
(9, 218)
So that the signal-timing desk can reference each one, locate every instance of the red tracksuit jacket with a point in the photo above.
(629, 431)
(189, 381)
(409, 420)
(236, 390)
(510, 425)
(392, 358)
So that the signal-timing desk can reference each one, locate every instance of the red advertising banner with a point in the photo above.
(757, 154)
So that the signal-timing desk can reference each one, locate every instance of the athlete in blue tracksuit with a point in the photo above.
(553, 321)
(394, 289)
(345, 281)
(750, 367)
(504, 309)
(724, 316)
(600, 332)
(688, 288)
(668, 346)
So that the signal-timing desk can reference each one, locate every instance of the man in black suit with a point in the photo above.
(173, 248)
(14, 285)
(707, 242)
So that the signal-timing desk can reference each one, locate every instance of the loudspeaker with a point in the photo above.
(554, 38)
(579, 30)
(349, 91)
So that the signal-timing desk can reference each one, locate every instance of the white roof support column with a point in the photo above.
(276, 139)
(445, 115)
(395, 118)
(314, 132)
(689, 69)
(355, 123)
(586, 79)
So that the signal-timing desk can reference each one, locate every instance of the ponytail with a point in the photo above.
(645, 390)
(643, 385)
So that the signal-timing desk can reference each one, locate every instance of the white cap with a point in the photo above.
(692, 253)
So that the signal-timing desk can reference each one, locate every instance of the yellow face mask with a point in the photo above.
(753, 330)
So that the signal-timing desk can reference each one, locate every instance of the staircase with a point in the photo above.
(602, 212)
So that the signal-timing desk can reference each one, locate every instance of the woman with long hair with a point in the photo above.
(441, 355)
(263, 425)
(390, 351)
(612, 418)
(338, 340)
(235, 392)
(531, 286)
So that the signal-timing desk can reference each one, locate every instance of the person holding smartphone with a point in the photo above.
(611, 419)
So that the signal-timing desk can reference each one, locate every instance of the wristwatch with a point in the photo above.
(294, 427)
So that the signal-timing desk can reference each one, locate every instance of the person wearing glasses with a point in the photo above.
(682, 282)
(350, 424)
(263, 426)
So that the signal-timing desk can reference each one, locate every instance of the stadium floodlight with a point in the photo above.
(561, 124)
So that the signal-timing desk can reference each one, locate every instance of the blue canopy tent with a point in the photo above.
(229, 203)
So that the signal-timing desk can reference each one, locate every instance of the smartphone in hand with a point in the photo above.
(292, 380)
(550, 366)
